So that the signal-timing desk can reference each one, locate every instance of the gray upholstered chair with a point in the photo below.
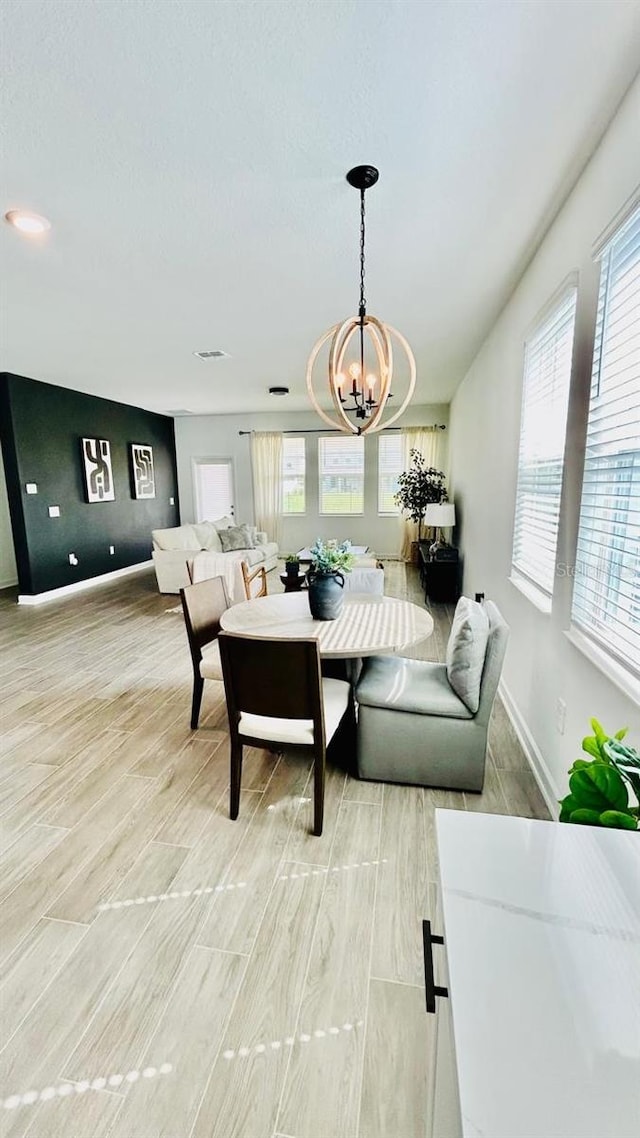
(412, 725)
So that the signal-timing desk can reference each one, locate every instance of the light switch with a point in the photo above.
(172, 501)
(112, 549)
(54, 511)
(31, 488)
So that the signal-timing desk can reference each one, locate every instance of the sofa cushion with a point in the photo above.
(207, 535)
(253, 556)
(235, 537)
(268, 549)
(223, 523)
(416, 686)
(466, 651)
(179, 537)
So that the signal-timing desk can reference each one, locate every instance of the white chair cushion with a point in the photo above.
(178, 537)
(211, 664)
(335, 697)
(466, 651)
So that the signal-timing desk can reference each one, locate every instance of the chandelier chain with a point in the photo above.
(363, 303)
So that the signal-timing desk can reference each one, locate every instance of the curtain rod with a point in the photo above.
(329, 431)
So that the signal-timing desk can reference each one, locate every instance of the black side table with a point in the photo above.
(441, 580)
(293, 583)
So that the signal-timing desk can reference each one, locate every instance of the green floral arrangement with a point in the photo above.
(329, 557)
(599, 786)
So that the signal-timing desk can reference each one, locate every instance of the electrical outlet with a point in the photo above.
(73, 560)
(31, 488)
(561, 716)
(54, 511)
(112, 549)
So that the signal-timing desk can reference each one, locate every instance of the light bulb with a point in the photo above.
(30, 223)
(339, 380)
(354, 370)
(371, 381)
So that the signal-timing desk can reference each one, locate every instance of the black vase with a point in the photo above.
(326, 595)
(292, 568)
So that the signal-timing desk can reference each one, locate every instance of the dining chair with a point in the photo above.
(277, 697)
(203, 604)
(248, 579)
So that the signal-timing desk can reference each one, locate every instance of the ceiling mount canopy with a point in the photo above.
(360, 354)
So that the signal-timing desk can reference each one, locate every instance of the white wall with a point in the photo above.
(216, 436)
(8, 570)
(541, 664)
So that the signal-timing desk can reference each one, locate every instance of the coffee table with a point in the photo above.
(367, 626)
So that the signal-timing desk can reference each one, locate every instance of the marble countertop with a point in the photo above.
(542, 932)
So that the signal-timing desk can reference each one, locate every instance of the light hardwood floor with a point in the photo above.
(168, 973)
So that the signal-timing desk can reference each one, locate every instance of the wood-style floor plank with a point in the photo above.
(398, 1059)
(202, 998)
(402, 887)
(37, 1053)
(32, 968)
(336, 988)
(88, 1115)
(243, 1093)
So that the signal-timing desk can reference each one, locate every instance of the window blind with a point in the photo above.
(390, 465)
(547, 374)
(293, 475)
(214, 490)
(341, 468)
(606, 589)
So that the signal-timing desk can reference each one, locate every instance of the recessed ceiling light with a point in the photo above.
(278, 391)
(216, 354)
(27, 222)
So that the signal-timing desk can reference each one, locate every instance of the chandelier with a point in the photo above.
(361, 353)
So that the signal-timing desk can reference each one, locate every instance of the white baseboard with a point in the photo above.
(539, 768)
(80, 586)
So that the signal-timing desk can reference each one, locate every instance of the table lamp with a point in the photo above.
(442, 515)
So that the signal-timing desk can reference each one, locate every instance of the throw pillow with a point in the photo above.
(207, 535)
(466, 651)
(178, 537)
(224, 523)
(235, 537)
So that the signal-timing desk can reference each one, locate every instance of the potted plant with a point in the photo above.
(599, 786)
(292, 564)
(419, 487)
(329, 563)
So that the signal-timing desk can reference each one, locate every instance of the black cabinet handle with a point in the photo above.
(431, 988)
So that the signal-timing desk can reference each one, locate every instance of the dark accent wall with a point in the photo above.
(41, 426)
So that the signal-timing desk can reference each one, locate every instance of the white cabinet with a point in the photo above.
(541, 923)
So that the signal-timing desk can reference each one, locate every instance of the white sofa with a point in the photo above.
(199, 543)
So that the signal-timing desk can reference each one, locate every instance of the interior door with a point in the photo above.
(213, 484)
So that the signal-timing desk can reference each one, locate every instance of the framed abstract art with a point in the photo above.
(142, 476)
(98, 475)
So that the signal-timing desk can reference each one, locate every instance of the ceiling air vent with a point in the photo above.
(216, 354)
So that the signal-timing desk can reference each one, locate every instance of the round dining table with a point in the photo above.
(367, 625)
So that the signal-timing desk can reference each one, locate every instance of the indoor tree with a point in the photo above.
(419, 487)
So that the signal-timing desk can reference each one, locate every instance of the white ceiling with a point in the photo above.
(191, 158)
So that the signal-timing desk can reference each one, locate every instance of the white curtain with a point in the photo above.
(431, 443)
(266, 468)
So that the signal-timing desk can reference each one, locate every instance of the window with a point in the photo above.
(341, 462)
(545, 398)
(606, 588)
(214, 488)
(293, 476)
(390, 465)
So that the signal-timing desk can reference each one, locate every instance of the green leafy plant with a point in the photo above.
(419, 487)
(599, 786)
(292, 559)
(328, 557)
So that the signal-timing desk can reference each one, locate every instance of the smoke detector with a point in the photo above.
(215, 354)
(278, 391)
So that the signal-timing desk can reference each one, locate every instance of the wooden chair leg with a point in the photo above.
(318, 793)
(236, 779)
(198, 686)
